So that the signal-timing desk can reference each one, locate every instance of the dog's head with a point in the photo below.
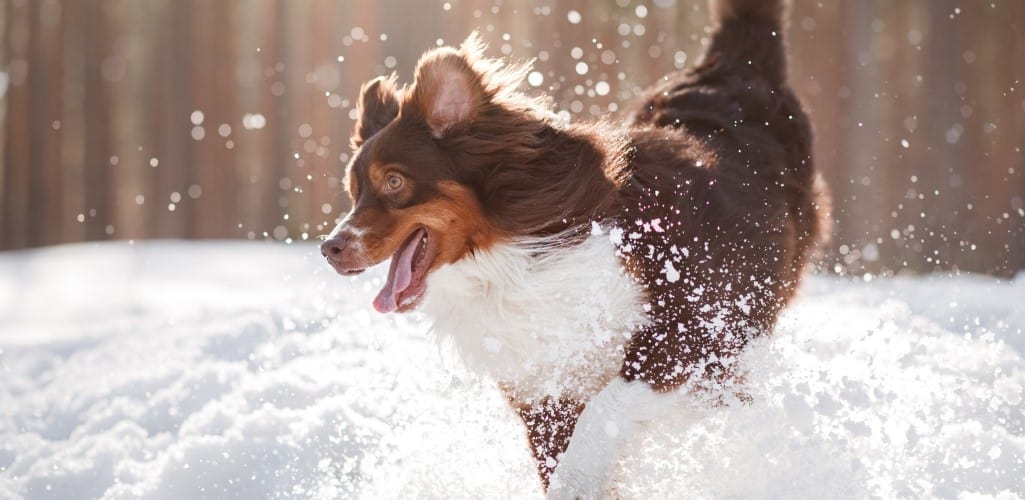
(417, 178)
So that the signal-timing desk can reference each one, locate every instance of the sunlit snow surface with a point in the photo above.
(243, 370)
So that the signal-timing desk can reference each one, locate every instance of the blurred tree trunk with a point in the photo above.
(73, 125)
(17, 152)
(4, 118)
(46, 79)
(1018, 138)
(255, 22)
(215, 212)
(276, 107)
(100, 181)
(169, 100)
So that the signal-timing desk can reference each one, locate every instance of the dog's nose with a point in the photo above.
(333, 247)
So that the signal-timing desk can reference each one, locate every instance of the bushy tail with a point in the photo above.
(750, 33)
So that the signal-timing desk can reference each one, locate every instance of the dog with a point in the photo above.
(588, 268)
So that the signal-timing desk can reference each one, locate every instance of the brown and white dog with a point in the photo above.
(588, 268)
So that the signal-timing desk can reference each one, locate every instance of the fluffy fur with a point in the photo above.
(589, 267)
(543, 319)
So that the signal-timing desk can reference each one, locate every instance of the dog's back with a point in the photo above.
(721, 158)
(741, 87)
(738, 99)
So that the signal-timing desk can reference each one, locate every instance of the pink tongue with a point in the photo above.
(399, 275)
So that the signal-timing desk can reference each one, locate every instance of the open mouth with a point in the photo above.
(404, 287)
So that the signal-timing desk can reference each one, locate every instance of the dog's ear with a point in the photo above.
(378, 106)
(449, 91)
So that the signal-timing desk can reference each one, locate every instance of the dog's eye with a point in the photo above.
(393, 182)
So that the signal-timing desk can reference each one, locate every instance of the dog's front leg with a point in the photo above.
(608, 422)
(549, 426)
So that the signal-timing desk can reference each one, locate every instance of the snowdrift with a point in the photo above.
(246, 370)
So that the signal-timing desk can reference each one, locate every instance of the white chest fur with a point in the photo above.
(540, 321)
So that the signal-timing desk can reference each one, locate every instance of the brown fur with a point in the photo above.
(712, 168)
(378, 104)
(549, 427)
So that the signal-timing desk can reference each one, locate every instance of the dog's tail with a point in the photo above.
(749, 33)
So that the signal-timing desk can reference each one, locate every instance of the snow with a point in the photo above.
(672, 275)
(246, 370)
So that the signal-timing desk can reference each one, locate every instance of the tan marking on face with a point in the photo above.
(376, 173)
(458, 222)
(455, 219)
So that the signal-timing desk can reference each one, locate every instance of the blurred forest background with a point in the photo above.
(130, 119)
